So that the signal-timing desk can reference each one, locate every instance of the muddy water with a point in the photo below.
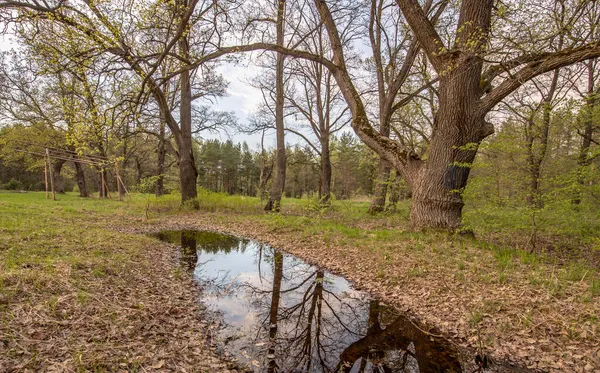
(276, 313)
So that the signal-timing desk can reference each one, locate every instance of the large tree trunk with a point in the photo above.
(274, 203)
(83, 192)
(187, 172)
(160, 165)
(437, 202)
(326, 172)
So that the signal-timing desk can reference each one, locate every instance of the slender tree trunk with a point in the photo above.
(536, 156)
(326, 172)
(583, 160)
(139, 173)
(188, 173)
(83, 192)
(122, 171)
(274, 203)
(531, 162)
(160, 167)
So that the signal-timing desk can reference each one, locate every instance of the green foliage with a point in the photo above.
(147, 185)
(12, 185)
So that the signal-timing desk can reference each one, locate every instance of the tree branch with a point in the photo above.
(543, 64)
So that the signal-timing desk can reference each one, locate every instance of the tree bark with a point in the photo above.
(383, 179)
(394, 193)
(583, 159)
(438, 183)
(83, 192)
(188, 173)
(274, 203)
(160, 165)
(326, 173)
(536, 158)
(59, 183)
(103, 186)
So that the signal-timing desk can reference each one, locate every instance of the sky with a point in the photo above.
(242, 99)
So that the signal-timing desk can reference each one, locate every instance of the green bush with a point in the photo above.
(13, 185)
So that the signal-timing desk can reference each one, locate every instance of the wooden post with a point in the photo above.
(46, 177)
(124, 187)
(118, 178)
(51, 174)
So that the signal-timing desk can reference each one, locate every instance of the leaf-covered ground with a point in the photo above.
(509, 304)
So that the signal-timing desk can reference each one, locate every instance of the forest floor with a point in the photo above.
(80, 289)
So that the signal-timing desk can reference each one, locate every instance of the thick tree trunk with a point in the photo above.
(160, 165)
(274, 203)
(383, 179)
(326, 172)
(437, 202)
(59, 183)
(188, 175)
(83, 192)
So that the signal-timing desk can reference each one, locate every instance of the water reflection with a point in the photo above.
(278, 314)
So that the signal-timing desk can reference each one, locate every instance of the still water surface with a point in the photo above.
(276, 313)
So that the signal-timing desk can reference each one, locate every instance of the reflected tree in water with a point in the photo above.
(283, 315)
(189, 251)
(419, 352)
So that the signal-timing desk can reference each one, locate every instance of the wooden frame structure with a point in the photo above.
(100, 163)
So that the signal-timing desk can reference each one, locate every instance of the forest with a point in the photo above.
(446, 145)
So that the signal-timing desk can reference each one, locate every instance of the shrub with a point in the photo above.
(13, 185)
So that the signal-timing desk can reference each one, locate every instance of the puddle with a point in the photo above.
(276, 313)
